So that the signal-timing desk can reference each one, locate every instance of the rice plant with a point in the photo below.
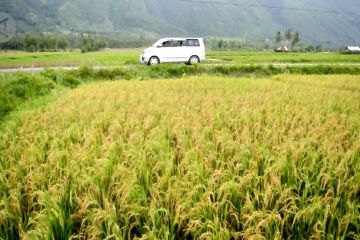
(191, 158)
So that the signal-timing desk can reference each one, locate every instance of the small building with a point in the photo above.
(352, 49)
(282, 49)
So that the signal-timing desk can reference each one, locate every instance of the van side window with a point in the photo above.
(175, 43)
(172, 43)
(182, 43)
(166, 44)
(192, 43)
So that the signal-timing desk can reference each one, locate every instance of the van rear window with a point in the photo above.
(192, 42)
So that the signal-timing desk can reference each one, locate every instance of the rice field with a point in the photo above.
(113, 57)
(192, 158)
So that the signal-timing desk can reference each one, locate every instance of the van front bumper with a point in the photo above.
(143, 59)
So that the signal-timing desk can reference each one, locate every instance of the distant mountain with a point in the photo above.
(152, 18)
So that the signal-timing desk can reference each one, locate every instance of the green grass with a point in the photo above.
(19, 88)
(271, 57)
(131, 57)
(76, 58)
(86, 73)
(200, 157)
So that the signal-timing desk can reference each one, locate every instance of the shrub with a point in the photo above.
(20, 88)
(85, 72)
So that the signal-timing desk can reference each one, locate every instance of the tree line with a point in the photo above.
(289, 36)
(85, 42)
(92, 42)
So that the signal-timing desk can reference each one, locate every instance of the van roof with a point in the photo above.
(179, 38)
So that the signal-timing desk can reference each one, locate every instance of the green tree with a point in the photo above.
(50, 43)
(295, 39)
(47, 43)
(62, 44)
(278, 37)
(31, 43)
(288, 34)
(220, 44)
(318, 48)
(310, 48)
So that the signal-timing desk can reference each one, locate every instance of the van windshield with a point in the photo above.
(156, 44)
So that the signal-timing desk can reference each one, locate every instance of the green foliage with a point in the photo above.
(231, 44)
(19, 88)
(288, 34)
(175, 71)
(291, 37)
(61, 223)
(84, 72)
(310, 48)
(90, 44)
(62, 78)
(278, 37)
(295, 39)
(237, 57)
(33, 43)
(62, 42)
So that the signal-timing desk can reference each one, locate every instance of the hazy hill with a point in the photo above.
(173, 17)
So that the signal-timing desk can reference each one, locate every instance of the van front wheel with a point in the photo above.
(154, 61)
(194, 60)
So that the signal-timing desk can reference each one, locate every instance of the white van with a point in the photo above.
(186, 50)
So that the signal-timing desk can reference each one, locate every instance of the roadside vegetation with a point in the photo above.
(234, 57)
(20, 88)
(202, 157)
